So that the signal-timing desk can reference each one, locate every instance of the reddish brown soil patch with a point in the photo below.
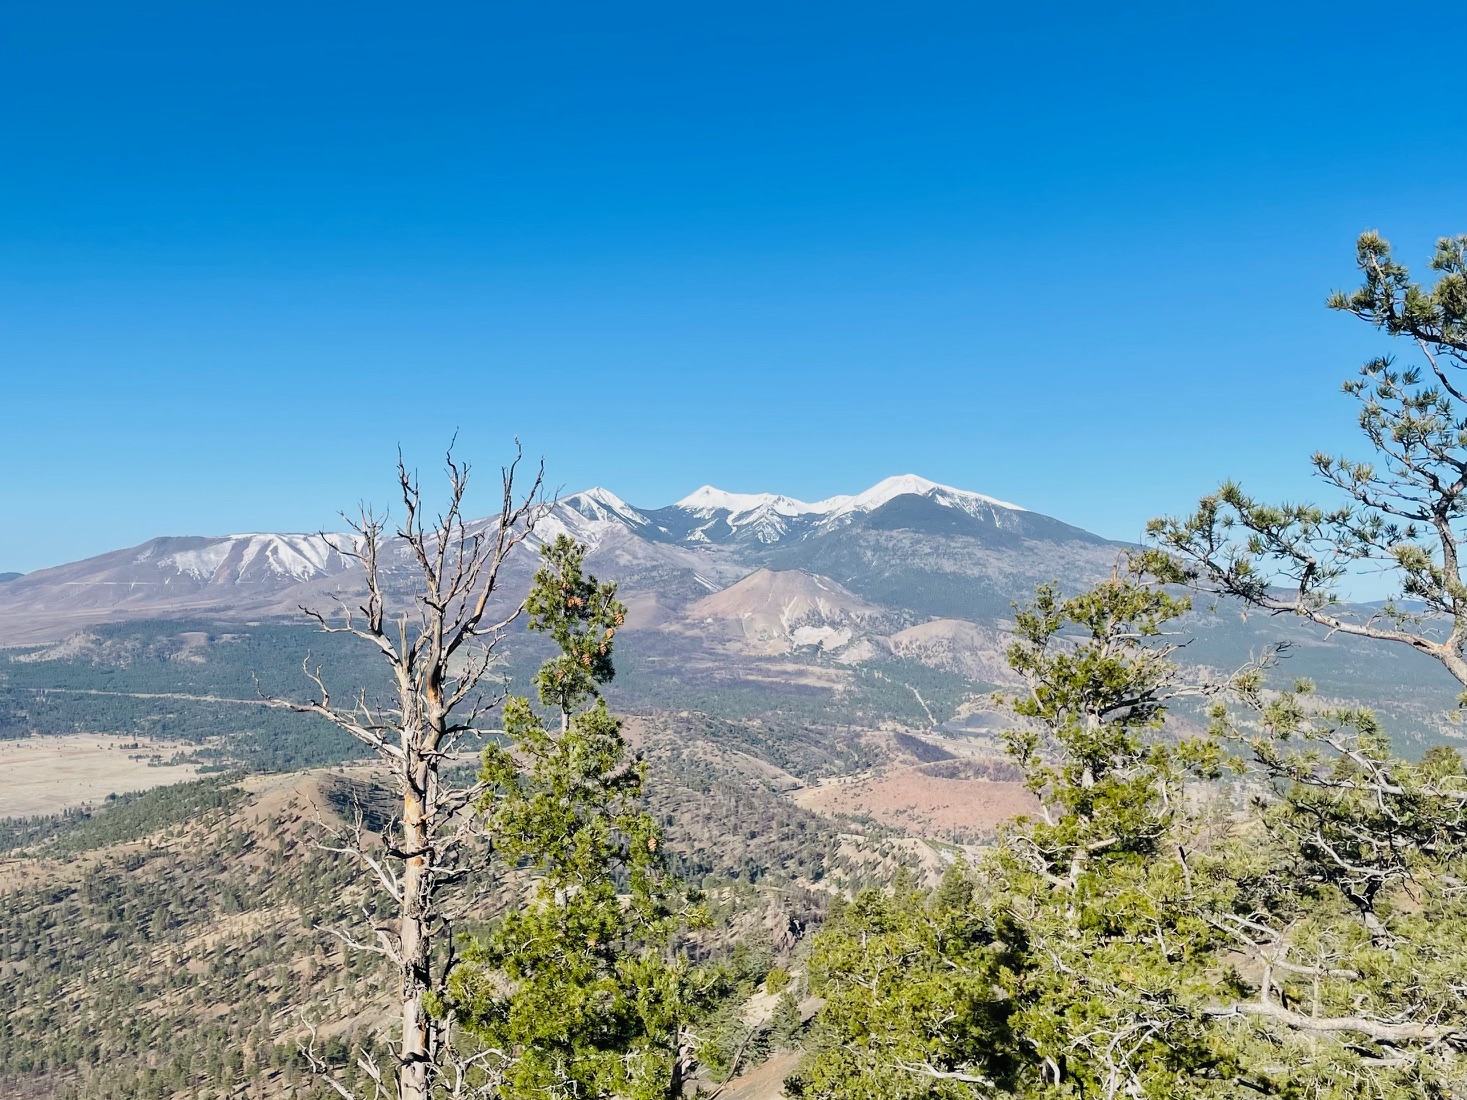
(926, 805)
(764, 1082)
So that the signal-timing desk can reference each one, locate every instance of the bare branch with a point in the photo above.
(428, 854)
(1381, 1031)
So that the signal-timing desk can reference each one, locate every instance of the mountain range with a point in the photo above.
(905, 549)
(730, 592)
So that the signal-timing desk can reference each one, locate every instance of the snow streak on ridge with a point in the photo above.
(709, 499)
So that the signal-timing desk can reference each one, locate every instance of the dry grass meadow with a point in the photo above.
(45, 775)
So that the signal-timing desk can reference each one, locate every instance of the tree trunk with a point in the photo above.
(438, 666)
(417, 1028)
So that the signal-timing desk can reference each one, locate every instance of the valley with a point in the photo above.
(811, 689)
(703, 552)
(49, 775)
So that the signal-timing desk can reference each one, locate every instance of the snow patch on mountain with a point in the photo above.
(587, 516)
(770, 517)
(764, 516)
(883, 492)
(599, 503)
(708, 501)
(239, 557)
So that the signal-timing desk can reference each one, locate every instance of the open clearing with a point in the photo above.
(922, 804)
(45, 775)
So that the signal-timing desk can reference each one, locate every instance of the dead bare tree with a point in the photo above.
(439, 638)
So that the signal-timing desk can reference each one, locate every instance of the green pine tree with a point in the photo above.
(1398, 513)
(580, 989)
(1070, 962)
(1141, 938)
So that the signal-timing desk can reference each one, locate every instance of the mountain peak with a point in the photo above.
(912, 485)
(712, 499)
(709, 499)
(295, 556)
(901, 485)
(604, 497)
(584, 516)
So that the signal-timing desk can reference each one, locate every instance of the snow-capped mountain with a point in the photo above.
(586, 516)
(710, 515)
(884, 492)
(234, 574)
(729, 596)
(251, 558)
(896, 543)
(710, 501)
(713, 516)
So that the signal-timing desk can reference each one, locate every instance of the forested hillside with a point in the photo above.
(169, 945)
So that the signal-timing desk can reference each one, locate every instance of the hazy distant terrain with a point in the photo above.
(885, 607)
(810, 685)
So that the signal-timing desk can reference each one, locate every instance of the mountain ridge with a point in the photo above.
(901, 600)
(667, 557)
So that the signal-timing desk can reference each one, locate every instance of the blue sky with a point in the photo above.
(1073, 256)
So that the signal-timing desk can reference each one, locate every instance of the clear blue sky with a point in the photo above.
(1070, 255)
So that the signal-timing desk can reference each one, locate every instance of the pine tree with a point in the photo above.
(1070, 961)
(579, 989)
(785, 1023)
(1401, 510)
(1140, 938)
